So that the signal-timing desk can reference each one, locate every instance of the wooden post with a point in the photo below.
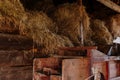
(81, 22)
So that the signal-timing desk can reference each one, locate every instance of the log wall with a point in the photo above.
(15, 57)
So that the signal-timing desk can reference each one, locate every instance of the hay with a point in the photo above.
(114, 25)
(9, 25)
(11, 16)
(101, 35)
(12, 8)
(37, 27)
(68, 18)
(40, 19)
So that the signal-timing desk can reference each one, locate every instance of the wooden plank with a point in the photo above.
(15, 42)
(116, 78)
(114, 67)
(78, 48)
(40, 63)
(15, 58)
(44, 67)
(76, 51)
(55, 77)
(75, 69)
(39, 76)
(118, 68)
(16, 73)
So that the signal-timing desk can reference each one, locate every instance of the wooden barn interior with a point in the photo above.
(59, 39)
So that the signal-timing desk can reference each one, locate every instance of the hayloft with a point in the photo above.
(56, 30)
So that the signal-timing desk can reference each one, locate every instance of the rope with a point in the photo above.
(89, 77)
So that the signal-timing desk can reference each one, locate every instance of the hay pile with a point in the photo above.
(63, 30)
(9, 25)
(114, 25)
(12, 8)
(101, 35)
(11, 15)
(38, 27)
(68, 18)
(35, 25)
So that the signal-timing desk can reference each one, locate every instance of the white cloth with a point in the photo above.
(117, 40)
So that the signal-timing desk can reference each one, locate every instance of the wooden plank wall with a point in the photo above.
(15, 57)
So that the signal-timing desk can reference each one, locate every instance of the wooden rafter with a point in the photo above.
(110, 4)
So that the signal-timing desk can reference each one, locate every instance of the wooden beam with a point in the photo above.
(15, 42)
(110, 5)
(78, 48)
(16, 73)
(16, 58)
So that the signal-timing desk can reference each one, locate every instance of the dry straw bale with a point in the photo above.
(40, 19)
(68, 18)
(11, 15)
(9, 25)
(37, 27)
(114, 25)
(101, 35)
(11, 8)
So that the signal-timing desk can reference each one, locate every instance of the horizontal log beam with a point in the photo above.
(16, 73)
(16, 58)
(15, 42)
(110, 5)
(78, 48)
